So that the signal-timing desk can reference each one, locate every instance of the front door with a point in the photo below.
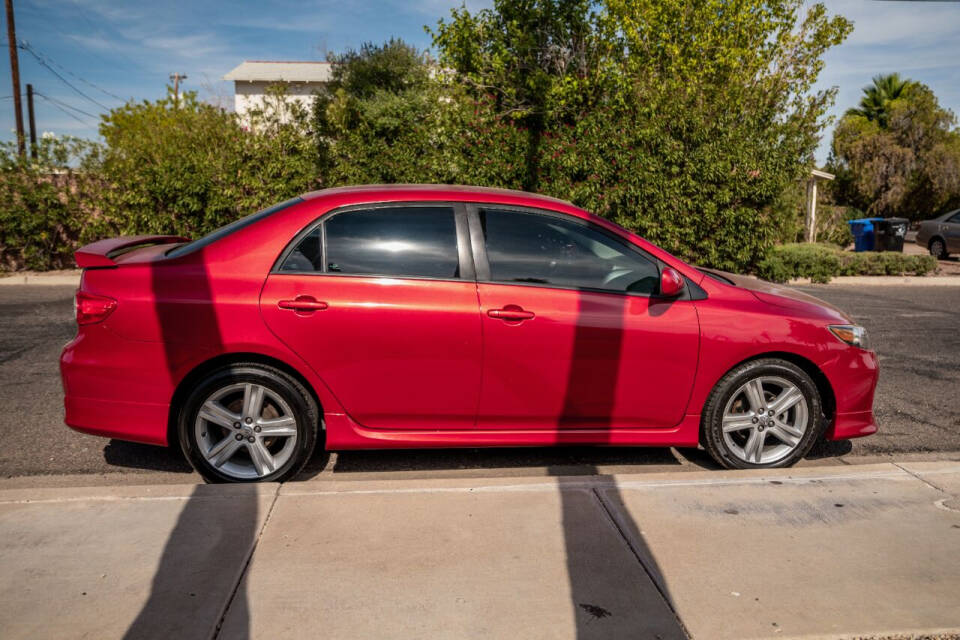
(574, 336)
(951, 231)
(374, 300)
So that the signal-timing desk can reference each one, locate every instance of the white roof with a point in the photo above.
(266, 71)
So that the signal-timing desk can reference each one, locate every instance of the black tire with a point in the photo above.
(290, 390)
(938, 249)
(711, 423)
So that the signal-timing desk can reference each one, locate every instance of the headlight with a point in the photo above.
(851, 334)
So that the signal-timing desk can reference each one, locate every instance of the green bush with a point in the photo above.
(820, 262)
(187, 168)
(44, 203)
(184, 168)
(689, 123)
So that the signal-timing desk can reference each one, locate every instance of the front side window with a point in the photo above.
(390, 241)
(540, 249)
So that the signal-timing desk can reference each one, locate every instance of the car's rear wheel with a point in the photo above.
(763, 414)
(248, 423)
(938, 248)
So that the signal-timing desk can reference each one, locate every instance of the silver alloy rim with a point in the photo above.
(936, 248)
(246, 431)
(765, 420)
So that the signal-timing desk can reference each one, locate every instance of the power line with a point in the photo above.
(56, 105)
(68, 106)
(26, 47)
(35, 52)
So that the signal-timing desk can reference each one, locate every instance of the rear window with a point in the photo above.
(226, 230)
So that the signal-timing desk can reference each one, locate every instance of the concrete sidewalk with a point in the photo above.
(815, 552)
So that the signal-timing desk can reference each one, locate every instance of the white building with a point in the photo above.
(252, 78)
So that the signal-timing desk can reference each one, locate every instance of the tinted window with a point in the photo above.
(226, 230)
(955, 219)
(525, 247)
(399, 241)
(308, 254)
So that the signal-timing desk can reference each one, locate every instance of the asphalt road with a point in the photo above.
(914, 330)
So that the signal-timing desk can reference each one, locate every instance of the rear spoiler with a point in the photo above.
(102, 252)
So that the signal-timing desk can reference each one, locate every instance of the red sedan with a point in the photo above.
(438, 316)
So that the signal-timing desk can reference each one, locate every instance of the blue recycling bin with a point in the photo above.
(863, 235)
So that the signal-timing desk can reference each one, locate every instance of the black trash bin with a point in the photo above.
(889, 234)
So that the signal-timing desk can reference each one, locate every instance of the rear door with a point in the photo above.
(381, 301)
(574, 336)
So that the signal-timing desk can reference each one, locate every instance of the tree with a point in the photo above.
(47, 202)
(531, 63)
(190, 167)
(691, 123)
(369, 122)
(688, 122)
(901, 160)
(878, 97)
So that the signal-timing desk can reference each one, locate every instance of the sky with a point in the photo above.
(113, 50)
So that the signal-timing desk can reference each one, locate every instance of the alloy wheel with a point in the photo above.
(937, 248)
(246, 431)
(765, 420)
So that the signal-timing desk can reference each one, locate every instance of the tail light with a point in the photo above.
(93, 308)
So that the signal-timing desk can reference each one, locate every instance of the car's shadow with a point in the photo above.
(570, 461)
(133, 455)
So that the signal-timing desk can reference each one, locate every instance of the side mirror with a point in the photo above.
(671, 283)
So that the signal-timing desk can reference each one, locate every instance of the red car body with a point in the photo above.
(405, 362)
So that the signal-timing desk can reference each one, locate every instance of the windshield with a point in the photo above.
(227, 229)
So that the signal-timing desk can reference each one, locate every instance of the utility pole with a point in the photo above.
(176, 77)
(33, 123)
(15, 77)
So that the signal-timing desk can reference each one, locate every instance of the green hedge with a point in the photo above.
(820, 262)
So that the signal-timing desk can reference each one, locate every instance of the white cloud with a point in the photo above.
(920, 40)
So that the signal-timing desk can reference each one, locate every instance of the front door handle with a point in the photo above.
(511, 313)
(303, 305)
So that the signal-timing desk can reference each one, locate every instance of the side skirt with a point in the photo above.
(343, 433)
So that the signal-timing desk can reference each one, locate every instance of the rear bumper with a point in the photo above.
(116, 388)
(133, 421)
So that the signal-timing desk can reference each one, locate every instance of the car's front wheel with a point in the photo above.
(763, 414)
(248, 423)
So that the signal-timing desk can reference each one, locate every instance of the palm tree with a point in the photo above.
(875, 103)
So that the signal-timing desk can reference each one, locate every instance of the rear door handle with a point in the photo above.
(303, 305)
(511, 313)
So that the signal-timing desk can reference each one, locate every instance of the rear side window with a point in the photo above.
(418, 242)
(540, 249)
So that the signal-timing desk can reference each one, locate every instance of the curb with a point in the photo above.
(21, 489)
(915, 281)
(64, 279)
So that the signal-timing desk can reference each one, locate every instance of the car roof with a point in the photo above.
(371, 192)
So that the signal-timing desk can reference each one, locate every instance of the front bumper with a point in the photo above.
(853, 375)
